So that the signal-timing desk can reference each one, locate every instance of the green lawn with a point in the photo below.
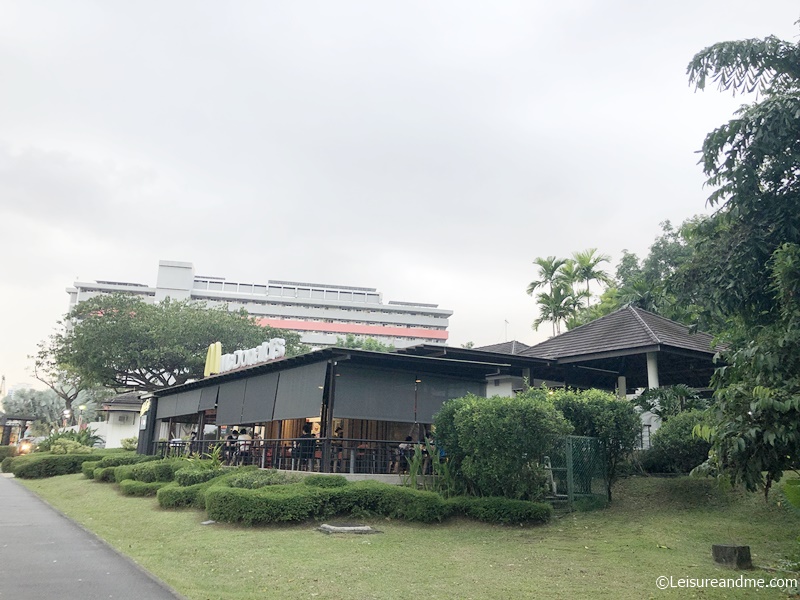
(655, 527)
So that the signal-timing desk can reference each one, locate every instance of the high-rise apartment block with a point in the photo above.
(318, 312)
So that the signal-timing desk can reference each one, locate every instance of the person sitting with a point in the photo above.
(244, 442)
(403, 454)
(229, 450)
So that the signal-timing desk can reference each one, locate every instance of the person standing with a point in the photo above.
(244, 442)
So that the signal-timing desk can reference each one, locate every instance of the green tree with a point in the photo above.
(64, 381)
(549, 268)
(43, 405)
(122, 342)
(351, 341)
(557, 307)
(744, 270)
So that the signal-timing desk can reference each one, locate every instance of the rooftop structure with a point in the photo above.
(318, 312)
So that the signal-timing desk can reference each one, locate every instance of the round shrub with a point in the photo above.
(104, 474)
(88, 468)
(673, 448)
(493, 445)
(125, 458)
(123, 472)
(158, 470)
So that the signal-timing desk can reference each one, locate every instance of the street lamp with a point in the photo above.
(81, 408)
(67, 413)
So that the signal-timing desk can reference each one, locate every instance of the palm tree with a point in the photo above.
(557, 306)
(548, 272)
(586, 269)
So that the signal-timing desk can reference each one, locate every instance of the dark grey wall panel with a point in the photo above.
(166, 407)
(230, 402)
(208, 397)
(433, 391)
(374, 394)
(259, 398)
(300, 392)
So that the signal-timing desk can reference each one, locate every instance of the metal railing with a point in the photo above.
(338, 455)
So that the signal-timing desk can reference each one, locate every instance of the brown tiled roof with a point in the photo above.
(512, 347)
(628, 328)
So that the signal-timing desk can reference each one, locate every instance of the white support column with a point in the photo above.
(622, 386)
(652, 370)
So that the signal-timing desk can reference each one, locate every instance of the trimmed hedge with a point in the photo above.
(251, 478)
(6, 451)
(178, 496)
(501, 510)
(105, 474)
(159, 470)
(326, 481)
(193, 475)
(299, 502)
(123, 472)
(129, 487)
(36, 466)
(88, 468)
(5, 465)
(126, 458)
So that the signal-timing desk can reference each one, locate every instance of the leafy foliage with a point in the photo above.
(669, 401)
(747, 257)
(602, 415)
(124, 342)
(494, 445)
(84, 437)
(674, 448)
(371, 344)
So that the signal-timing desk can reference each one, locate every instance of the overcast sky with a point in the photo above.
(431, 150)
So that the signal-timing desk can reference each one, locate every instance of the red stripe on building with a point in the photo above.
(368, 330)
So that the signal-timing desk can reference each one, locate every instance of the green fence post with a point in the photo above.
(570, 482)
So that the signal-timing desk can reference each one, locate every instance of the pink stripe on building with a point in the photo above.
(356, 329)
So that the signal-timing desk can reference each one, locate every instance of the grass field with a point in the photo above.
(655, 527)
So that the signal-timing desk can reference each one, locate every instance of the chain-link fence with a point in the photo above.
(576, 469)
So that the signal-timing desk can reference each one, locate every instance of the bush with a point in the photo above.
(602, 415)
(6, 451)
(129, 443)
(252, 479)
(193, 475)
(125, 458)
(299, 502)
(158, 470)
(88, 468)
(174, 495)
(493, 445)
(65, 446)
(84, 437)
(501, 510)
(791, 491)
(48, 465)
(123, 472)
(130, 487)
(673, 448)
(105, 474)
(326, 481)
(5, 465)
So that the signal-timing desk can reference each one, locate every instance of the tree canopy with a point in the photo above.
(746, 257)
(123, 342)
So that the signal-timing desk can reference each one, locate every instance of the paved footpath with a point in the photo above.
(46, 556)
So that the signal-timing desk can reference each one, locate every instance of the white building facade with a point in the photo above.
(318, 312)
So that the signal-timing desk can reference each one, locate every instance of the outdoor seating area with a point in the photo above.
(340, 455)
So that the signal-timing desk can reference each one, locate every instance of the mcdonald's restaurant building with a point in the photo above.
(359, 406)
